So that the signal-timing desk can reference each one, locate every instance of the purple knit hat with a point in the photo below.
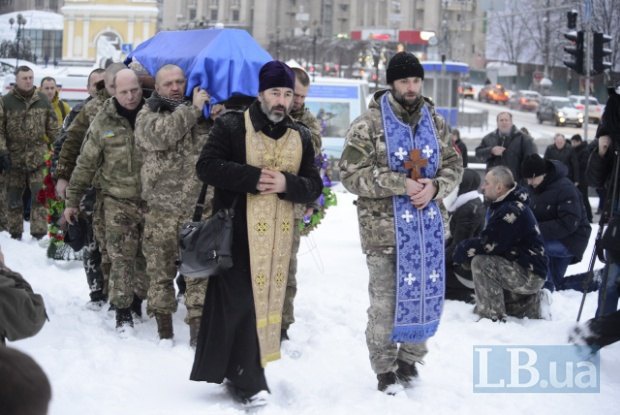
(275, 74)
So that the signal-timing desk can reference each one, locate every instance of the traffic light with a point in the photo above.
(577, 51)
(572, 19)
(599, 52)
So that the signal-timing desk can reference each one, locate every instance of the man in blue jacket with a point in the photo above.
(507, 260)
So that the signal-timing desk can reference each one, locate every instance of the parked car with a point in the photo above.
(466, 90)
(525, 100)
(493, 93)
(559, 110)
(595, 109)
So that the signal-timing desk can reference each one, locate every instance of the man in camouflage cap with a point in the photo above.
(27, 121)
(170, 132)
(109, 153)
(399, 160)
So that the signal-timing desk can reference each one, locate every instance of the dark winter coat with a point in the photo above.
(600, 170)
(462, 147)
(583, 154)
(559, 209)
(517, 144)
(466, 221)
(511, 232)
(568, 157)
(227, 338)
(22, 312)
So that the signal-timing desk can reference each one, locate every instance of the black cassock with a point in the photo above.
(227, 342)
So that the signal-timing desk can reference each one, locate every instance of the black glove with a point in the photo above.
(5, 162)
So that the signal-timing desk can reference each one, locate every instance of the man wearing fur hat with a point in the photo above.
(260, 163)
(399, 160)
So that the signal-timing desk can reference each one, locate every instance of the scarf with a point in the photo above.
(158, 103)
(420, 271)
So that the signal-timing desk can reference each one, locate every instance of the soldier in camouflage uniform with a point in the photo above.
(170, 132)
(109, 153)
(26, 120)
(302, 115)
(364, 170)
(96, 261)
(508, 260)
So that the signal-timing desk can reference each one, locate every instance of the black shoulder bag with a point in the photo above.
(205, 247)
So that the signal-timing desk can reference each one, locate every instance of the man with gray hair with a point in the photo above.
(506, 146)
(508, 260)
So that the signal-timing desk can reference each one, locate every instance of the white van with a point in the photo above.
(336, 102)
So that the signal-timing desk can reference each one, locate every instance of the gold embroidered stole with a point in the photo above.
(270, 234)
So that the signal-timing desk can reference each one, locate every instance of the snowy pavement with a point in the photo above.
(324, 369)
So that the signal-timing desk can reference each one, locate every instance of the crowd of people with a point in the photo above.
(130, 161)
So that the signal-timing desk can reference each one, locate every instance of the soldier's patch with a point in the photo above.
(108, 134)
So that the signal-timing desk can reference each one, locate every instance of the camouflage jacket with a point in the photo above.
(25, 125)
(76, 133)
(364, 171)
(170, 141)
(109, 152)
(305, 117)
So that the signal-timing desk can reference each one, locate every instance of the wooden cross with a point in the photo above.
(415, 163)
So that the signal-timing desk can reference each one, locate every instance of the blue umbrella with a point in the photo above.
(225, 62)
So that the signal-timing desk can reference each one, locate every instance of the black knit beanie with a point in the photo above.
(533, 166)
(403, 65)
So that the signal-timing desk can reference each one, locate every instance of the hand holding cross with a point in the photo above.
(415, 163)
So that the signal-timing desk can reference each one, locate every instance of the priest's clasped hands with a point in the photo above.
(420, 191)
(271, 181)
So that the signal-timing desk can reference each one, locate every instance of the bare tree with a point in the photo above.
(505, 39)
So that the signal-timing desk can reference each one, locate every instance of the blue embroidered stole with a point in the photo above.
(420, 271)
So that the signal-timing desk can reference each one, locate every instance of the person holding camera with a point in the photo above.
(604, 171)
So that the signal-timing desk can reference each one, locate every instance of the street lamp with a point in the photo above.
(21, 22)
(316, 33)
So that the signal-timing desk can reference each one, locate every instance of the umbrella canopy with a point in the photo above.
(225, 62)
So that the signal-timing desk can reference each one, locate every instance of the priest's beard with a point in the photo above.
(408, 100)
(275, 113)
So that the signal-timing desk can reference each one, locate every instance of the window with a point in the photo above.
(192, 14)
(213, 15)
(235, 15)
(54, 5)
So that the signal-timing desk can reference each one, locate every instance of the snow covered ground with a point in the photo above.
(324, 369)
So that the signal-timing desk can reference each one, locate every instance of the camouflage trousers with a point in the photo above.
(505, 288)
(382, 350)
(92, 255)
(124, 225)
(3, 202)
(161, 249)
(288, 310)
(18, 181)
(98, 226)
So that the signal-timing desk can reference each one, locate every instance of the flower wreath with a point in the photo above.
(327, 199)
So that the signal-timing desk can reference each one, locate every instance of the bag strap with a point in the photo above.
(200, 204)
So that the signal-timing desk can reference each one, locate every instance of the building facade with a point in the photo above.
(102, 30)
(458, 24)
(8, 6)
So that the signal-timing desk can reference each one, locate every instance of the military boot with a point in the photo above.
(388, 384)
(194, 329)
(123, 319)
(164, 325)
(406, 372)
(136, 306)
